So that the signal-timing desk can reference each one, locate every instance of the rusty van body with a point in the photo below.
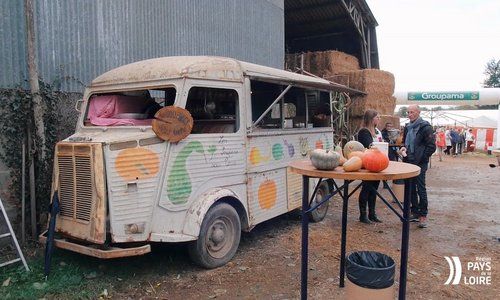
(121, 187)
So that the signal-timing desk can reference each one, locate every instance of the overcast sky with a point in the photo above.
(437, 45)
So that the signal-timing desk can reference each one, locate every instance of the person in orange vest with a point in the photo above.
(440, 143)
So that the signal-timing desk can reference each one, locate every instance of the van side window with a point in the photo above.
(214, 110)
(302, 108)
(127, 108)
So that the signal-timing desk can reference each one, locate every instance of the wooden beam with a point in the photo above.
(111, 252)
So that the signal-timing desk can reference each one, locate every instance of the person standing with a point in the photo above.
(440, 143)
(420, 144)
(469, 139)
(461, 141)
(447, 141)
(392, 153)
(366, 136)
(455, 137)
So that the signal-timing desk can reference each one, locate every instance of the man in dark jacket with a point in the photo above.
(420, 144)
(455, 139)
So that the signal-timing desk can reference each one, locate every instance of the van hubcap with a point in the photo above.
(220, 237)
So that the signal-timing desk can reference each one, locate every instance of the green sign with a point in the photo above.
(443, 96)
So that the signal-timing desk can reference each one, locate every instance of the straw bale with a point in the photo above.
(355, 124)
(383, 104)
(323, 63)
(371, 81)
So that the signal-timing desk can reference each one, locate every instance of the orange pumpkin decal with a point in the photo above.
(267, 194)
(137, 163)
(374, 160)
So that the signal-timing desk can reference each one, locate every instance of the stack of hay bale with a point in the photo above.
(324, 64)
(344, 69)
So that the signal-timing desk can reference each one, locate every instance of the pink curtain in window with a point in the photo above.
(104, 110)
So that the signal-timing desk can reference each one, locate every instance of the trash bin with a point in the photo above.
(370, 275)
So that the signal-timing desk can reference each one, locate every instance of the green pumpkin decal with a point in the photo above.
(178, 183)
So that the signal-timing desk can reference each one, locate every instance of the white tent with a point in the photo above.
(462, 118)
(482, 122)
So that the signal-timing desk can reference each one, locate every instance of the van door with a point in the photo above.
(212, 156)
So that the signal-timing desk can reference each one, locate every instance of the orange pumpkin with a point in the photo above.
(374, 160)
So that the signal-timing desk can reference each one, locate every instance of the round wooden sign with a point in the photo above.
(172, 123)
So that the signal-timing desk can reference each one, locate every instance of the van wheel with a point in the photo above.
(219, 237)
(319, 213)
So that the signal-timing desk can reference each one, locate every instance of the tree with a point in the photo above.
(403, 112)
(492, 72)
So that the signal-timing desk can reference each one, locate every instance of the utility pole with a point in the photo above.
(38, 106)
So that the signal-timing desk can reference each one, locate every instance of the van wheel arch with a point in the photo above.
(242, 213)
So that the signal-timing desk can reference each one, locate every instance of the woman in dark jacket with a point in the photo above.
(367, 135)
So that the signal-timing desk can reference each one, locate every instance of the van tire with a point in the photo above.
(219, 237)
(319, 214)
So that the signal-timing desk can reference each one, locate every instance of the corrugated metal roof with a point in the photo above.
(315, 17)
(343, 25)
(206, 67)
(78, 40)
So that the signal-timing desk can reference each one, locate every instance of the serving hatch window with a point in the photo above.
(127, 108)
(298, 108)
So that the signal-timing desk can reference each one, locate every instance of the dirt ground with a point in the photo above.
(464, 214)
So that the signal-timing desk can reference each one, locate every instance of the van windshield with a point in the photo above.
(128, 108)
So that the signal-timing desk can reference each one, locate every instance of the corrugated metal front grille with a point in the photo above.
(83, 188)
(76, 185)
(66, 186)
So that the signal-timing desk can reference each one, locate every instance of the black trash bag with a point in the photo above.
(369, 269)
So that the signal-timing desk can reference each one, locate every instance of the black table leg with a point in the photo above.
(305, 237)
(405, 237)
(345, 200)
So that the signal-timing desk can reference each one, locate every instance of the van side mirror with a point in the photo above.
(78, 105)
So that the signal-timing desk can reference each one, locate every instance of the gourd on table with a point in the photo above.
(324, 159)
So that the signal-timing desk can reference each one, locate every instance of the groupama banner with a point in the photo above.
(443, 96)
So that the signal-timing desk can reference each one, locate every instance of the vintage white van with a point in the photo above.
(121, 187)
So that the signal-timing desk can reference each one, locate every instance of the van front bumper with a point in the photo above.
(92, 250)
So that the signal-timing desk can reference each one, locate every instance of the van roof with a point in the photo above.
(208, 67)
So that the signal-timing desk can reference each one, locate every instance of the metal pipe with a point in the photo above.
(305, 237)
(345, 199)
(32, 186)
(385, 201)
(405, 238)
(23, 194)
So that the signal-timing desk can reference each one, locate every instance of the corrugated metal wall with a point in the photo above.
(12, 43)
(78, 40)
